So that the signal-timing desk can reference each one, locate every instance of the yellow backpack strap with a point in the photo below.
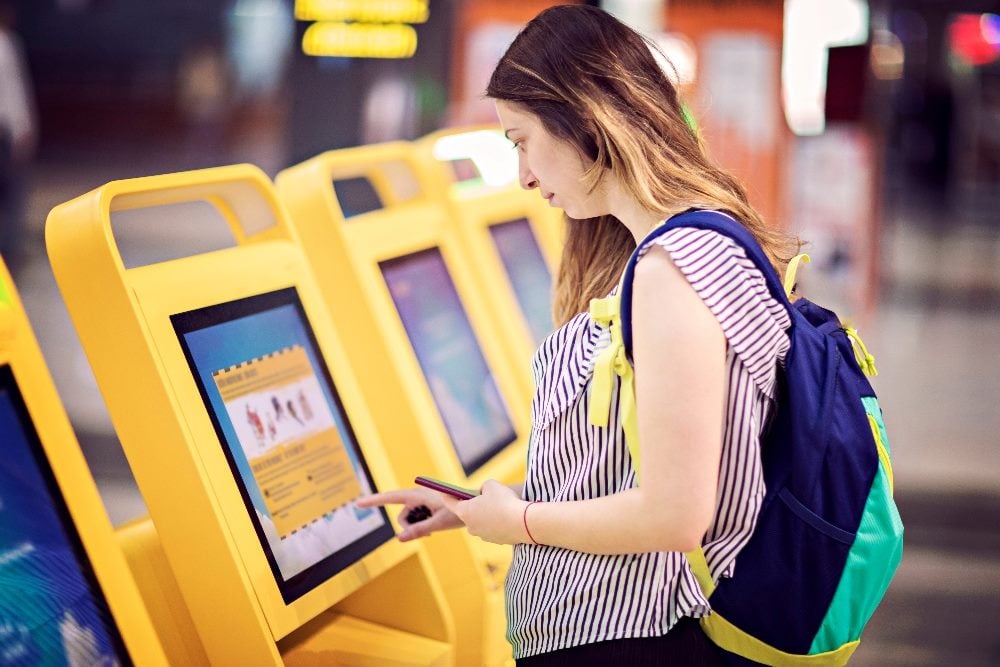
(605, 313)
(610, 362)
(728, 636)
(629, 416)
(865, 360)
(699, 566)
(792, 271)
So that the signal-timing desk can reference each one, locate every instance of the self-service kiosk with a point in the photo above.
(513, 235)
(66, 594)
(430, 356)
(244, 426)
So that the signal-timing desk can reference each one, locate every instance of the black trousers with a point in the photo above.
(685, 644)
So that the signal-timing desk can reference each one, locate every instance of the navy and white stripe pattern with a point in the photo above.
(557, 598)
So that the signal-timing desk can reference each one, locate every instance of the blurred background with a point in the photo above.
(869, 127)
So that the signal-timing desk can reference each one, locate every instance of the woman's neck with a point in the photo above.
(638, 219)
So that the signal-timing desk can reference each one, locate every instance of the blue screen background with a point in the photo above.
(41, 576)
(449, 354)
(528, 273)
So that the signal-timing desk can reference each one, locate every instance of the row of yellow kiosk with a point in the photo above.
(341, 345)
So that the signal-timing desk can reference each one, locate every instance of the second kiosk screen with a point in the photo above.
(463, 387)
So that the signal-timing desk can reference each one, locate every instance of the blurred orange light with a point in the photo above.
(887, 56)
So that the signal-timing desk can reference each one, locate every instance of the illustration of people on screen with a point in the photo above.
(307, 413)
(253, 418)
(291, 410)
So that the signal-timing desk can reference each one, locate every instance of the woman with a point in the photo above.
(599, 572)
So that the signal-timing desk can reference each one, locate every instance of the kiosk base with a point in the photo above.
(158, 588)
(335, 639)
(330, 639)
(490, 647)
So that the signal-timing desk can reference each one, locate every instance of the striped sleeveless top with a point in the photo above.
(557, 598)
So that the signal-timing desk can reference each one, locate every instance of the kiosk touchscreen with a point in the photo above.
(528, 273)
(460, 381)
(507, 229)
(444, 392)
(243, 424)
(285, 436)
(66, 596)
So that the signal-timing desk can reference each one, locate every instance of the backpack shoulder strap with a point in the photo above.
(710, 220)
(615, 312)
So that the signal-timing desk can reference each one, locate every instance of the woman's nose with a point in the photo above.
(528, 180)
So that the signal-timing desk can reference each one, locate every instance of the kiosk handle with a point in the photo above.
(485, 146)
(394, 169)
(242, 194)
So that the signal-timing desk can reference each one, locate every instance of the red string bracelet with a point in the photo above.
(524, 518)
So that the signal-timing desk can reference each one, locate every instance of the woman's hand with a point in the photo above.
(495, 515)
(441, 517)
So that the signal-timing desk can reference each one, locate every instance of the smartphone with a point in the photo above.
(445, 487)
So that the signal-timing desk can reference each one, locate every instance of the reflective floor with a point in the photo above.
(936, 337)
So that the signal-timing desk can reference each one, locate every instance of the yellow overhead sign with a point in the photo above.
(361, 28)
(372, 11)
(360, 40)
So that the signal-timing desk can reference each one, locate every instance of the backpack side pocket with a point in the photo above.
(874, 556)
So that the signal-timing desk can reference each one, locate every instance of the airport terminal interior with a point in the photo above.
(251, 223)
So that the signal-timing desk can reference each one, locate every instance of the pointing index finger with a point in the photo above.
(398, 497)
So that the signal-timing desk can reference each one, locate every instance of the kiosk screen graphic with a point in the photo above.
(529, 274)
(52, 611)
(283, 429)
(450, 357)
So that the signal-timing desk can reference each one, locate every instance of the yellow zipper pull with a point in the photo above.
(861, 353)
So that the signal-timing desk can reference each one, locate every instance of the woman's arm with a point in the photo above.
(680, 352)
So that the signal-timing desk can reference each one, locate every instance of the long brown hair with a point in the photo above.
(594, 82)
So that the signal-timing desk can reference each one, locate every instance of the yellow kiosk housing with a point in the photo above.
(66, 594)
(243, 424)
(512, 234)
(440, 384)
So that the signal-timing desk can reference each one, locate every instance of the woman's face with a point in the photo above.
(550, 164)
